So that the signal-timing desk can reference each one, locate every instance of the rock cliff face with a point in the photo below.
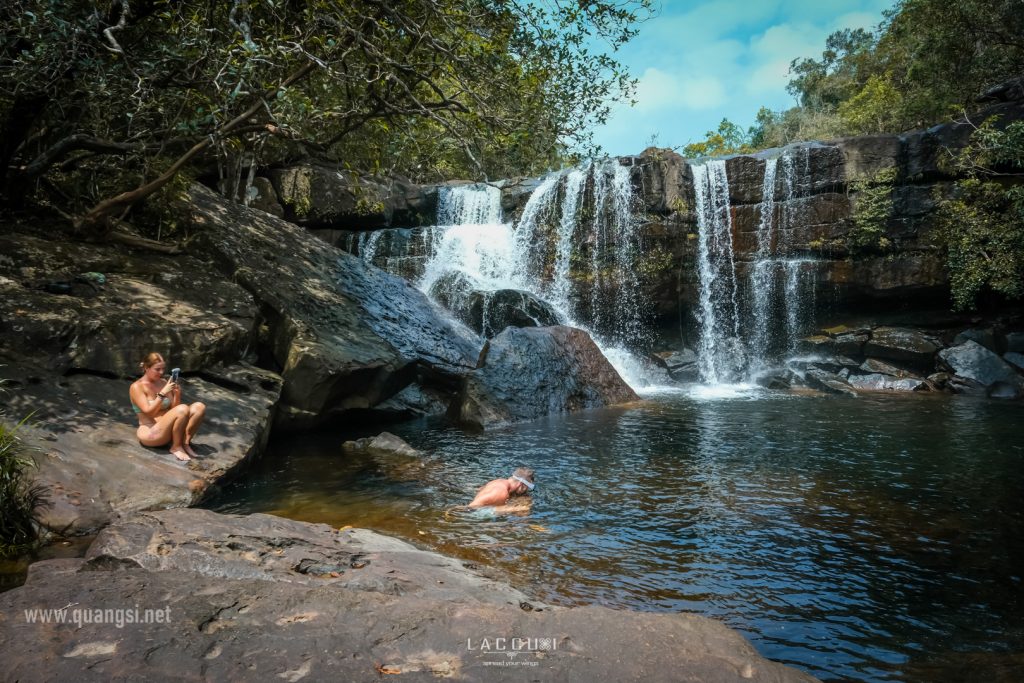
(347, 336)
(816, 203)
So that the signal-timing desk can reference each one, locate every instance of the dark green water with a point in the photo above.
(879, 538)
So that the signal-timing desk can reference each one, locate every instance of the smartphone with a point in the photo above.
(174, 374)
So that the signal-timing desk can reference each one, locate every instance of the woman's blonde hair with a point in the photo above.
(151, 360)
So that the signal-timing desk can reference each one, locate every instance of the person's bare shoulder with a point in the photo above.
(492, 493)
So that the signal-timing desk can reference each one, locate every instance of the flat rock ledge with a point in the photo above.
(264, 598)
(82, 438)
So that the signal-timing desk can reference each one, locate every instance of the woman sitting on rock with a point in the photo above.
(163, 418)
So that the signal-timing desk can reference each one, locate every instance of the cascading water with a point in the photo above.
(740, 342)
(560, 291)
(582, 215)
(720, 353)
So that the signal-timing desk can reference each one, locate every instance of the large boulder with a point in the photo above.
(905, 345)
(491, 312)
(265, 598)
(384, 443)
(973, 361)
(873, 365)
(75, 306)
(984, 336)
(527, 373)
(346, 334)
(89, 460)
(1015, 359)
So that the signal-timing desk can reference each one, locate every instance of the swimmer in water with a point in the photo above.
(499, 491)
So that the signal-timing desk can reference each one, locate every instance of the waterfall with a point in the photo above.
(720, 355)
(559, 293)
(583, 216)
(470, 238)
(368, 244)
(741, 339)
(761, 272)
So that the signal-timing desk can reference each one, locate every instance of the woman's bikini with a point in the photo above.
(165, 403)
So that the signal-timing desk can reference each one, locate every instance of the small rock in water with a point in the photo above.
(828, 382)
(873, 366)
(878, 382)
(1003, 390)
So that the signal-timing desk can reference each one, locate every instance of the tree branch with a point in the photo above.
(99, 213)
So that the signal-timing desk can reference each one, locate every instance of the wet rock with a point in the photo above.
(264, 197)
(681, 365)
(873, 365)
(417, 401)
(1003, 390)
(851, 344)
(939, 379)
(489, 312)
(826, 362)
(878, 382)
(816, 344)
(492, 312)
(238, 608)
(385, 442)
(1015, 359)
(327, 197)
(828, 382)
(778, 379)
(904, 345)
(973, 361)
(347, 335)
(986, 337)
(526, 373)
(82, 438)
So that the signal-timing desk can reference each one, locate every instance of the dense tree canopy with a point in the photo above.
(928, 61)
(427, 88)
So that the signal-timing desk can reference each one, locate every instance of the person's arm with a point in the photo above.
(174, 393)
(149, 406)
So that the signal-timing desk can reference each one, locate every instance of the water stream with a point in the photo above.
(884, 542)
(875, 539)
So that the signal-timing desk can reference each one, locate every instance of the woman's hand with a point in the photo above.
(170, 388)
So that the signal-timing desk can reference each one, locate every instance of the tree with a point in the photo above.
(106, 103)
(728, 139)
(982, 226)
(822, 85)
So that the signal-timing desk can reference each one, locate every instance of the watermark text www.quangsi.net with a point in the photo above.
(80, 616)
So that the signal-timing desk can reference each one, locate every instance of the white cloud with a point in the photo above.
(700, 62)
(659, 90)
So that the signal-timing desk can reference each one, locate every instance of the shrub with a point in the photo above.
(871, 212)
(20, 499)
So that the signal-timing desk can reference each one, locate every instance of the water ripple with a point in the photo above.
(863, 540)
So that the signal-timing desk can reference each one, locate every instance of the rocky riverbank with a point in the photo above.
(261, 597)
(272, 328)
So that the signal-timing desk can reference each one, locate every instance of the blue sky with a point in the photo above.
(700, 61)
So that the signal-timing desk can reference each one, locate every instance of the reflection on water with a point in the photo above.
(869, 539)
